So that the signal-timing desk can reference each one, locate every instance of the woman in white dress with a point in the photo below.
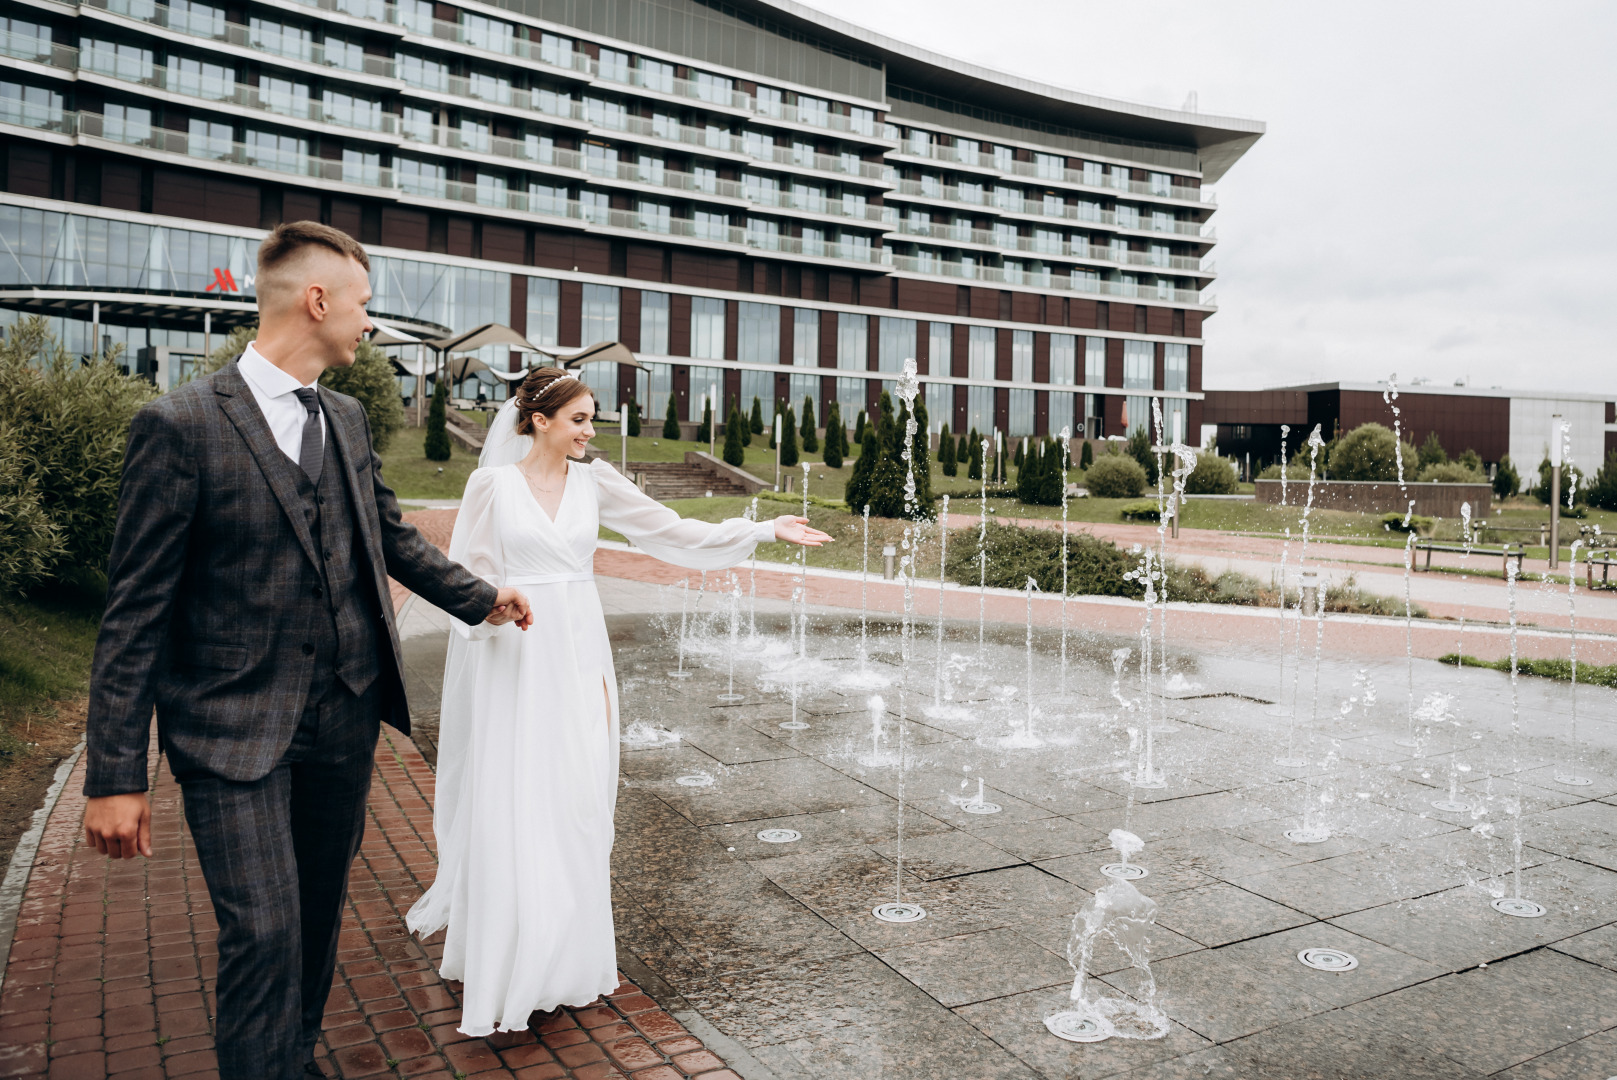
(528, 743)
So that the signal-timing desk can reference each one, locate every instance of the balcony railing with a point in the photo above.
(1109, 181)
(1058, 246)
(37, 115)
(288, 46)
(1043, 278)
(1030, 207)
(39, 51)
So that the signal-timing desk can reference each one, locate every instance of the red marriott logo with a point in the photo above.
(225, 281)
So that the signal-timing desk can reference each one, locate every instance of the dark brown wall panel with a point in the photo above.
(570, 317)
(962, 358)
(629, 320)
(1119, 317)
(504, 243)
(931, 297)
(519, 305)
(401, 228)
(1041, 357)
(1193, 323)
(1002, 354)
(679, 325)
(553, 248)
(1026, 307)
(28, 170)
(644, 262)
(177, 194)
(592, 254)
(839, 286)
(305, 206)
(1083, 314)
(1159, 367)
(1159, 320)
(828, 341)
(1195, 382)
(345, 215)
(984, 303)
(1462, 422)
(1114, 363)
(700, 269)
(460, 237)
(120, 185)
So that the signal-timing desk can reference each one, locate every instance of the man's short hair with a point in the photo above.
(285, 241)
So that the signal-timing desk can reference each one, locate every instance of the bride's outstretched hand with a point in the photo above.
(796, 530)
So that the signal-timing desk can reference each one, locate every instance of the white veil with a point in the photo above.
(502, 445)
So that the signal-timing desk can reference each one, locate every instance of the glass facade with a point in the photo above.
(757, 333)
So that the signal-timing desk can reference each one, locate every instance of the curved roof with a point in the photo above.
(1219, 140)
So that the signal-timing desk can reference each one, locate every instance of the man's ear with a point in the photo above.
(317, 301)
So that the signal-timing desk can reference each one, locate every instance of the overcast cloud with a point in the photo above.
(1434, 193)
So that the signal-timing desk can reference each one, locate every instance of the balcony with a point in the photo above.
(1107, 182)
(1043, 279)
(1032, 208)
(1057, 246)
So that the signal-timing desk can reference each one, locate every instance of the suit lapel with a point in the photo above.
(243, 412)
(352, 450)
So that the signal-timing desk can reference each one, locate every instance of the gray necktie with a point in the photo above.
(312, 454)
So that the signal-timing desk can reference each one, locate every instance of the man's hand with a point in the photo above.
(120, 825)
(796, 530)
(510, 606)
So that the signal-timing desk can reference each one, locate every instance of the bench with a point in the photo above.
(1504, 552)
(1593, 538)
(1605, 562)
(1541, 530)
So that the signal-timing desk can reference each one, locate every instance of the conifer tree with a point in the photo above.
(887, 478)
(1054, 479)
(704, 430)
(735, 452)
(859, 431)
(857, 491)
(947, 461)
(1028, 471)
(963, 451)
(974, 460)
(835, 438)
(671, 419)
(436, 444)
(1086, 457)
(634, 419)
(755, 423)
(811, 442)
(921, 459)
(788, 439)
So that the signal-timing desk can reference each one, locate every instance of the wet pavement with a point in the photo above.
(775, 946)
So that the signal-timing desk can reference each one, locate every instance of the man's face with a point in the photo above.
(345, 323)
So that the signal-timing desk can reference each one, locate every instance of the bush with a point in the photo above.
(1450, 472)
(1114, 476)
(1212, 476)
(974, 460)
(788, 439)
(704, 430)
(1146, 510)
(1472, 460)
(1349, 600)
(1095, 567)
(436, 444)
(811, 441)
(755, 421)
(836, 437)
(1040, 476)
(1139, 448)
(920, 455)
(1368, 452)
(634, 419)
(856, 493)
(671, 420)
(1506, 480)
(65, 425)
(1294, 473)
(859, 426)
(1431, 453)
(947, 461)
(371, 382)
(887, 472)
(1570, 475)
(1417, 523)
(1086, 456)
(1603, 492)
(735, 453)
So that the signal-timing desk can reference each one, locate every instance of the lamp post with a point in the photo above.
(623, 433)
(1555, 490)
(713, 420)
(777, 449)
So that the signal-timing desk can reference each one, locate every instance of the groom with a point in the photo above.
(248, 601)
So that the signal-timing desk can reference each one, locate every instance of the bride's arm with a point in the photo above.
(475, 543)
(659, 531)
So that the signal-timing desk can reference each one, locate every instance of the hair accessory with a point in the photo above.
(567, 373)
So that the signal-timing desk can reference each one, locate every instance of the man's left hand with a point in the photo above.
(510, 606)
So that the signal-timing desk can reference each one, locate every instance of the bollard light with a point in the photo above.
(889, 560)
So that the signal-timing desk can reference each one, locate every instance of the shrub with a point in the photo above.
(1086, 456)
(755, 421)
(436, 444)
(1431, 452)
(1030, 476)
(836, 438)
(671, 420)
(788, 439)
(1145, 510)
(887, 473)
(856, 493)
(1570, 475)
(704, 430)
(735, 452)
(1349, 600)
(1094, 566)
(1139, 448)
(1472, 460)
(1368, 452)
(371, 382)
(947, 461)
(1603, 491)
(974, 461)
(1114, 476)
(1450, 472)
(65, 425)
(859, 426)
(811, 442)
(1506, 480)
(1212, 475)
(920, 455)
(1294, 473)
(1417, 523)
(634, 419)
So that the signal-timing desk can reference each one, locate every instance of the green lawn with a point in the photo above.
(412, 476)
(45, 651)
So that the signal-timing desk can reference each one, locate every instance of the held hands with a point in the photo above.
(796, 530)
(510, 606)
(119, 825)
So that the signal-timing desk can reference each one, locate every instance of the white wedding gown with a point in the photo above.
(528, 744)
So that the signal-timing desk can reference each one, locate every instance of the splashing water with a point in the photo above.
(1291, 760)
(982, 555)
(1066, 464)
(1571, 778)
(684, 606)
(1120, 913)
(641, 735)
(943, 560)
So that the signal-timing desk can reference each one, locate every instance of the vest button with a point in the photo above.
(317, 592)
(308, 650)
(328, 556)
(321, 499)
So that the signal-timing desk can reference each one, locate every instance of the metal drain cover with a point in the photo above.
(795, 725)
(696, 780)
(1574, 781)
(1328, 959)
(1076, 1027)
(1124, 871)
(779, 836)
(898, 912)
(1521, 909)
(1308, 836)
(1450, 806)
(980, 807)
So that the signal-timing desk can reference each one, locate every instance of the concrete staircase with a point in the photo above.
(665, 480)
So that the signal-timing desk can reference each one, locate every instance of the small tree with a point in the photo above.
(1432, 452)
(779, 419)
(1212, 475)
(1506, 480)
(370, 381)
(920, 458)
(436, 444)
(1603, 491)
(946, 455)
(1020, 455)
(1116, 476)
(811, 441)
(887, 478)
(1572, 480)
(859, 430)
(1368, 452)
(755, 422)
(857, 491)
(963, 451)
(1139, 448)
(671, 419)
(1029, 469)
(1473, 461)
(1086, 456)
(974, 461)
(735, 452)
(634, 419)
(788, 439)
(1054, 481)
(704, 430)
(835, 437)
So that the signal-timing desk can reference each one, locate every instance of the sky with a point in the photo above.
(1432, 197)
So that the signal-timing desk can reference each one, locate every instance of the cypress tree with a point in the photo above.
(859, 431)
(835, 437)
(788, 439)
(436, 444)
(735, 452)
(857, 491)
(671, 420)
(963, 451)
(947, 461)
(974, 460)
(1028, 472)
(887, 478)
(746, 424)
(1055, 474)
(755, 423)
(634, 419)
(921, 458)
(1019, 457)
(1086, 457)
(811, 442)
(704, 430)
(780, 410)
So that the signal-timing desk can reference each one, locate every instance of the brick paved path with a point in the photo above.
(111, 971)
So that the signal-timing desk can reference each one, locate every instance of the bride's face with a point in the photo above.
(570, 430)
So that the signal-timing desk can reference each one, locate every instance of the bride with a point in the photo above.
(528, 749)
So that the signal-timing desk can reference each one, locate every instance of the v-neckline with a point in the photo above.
(566, 485)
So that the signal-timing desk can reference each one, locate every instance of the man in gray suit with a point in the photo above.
(248, 603)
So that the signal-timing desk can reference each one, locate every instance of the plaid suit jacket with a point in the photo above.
(211, 594)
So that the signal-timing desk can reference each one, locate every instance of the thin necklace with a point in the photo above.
(526, 475)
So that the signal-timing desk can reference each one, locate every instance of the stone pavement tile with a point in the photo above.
(1594, 1056)
(1165, 876)
(974, 967)
(1166, 819)
(926, 1043)
(767, 789)
(948, 854)
(1603, 785)
(937, 800)
(1065, 795)
(1598, 946)
(1017, 1023)
(1381, 970)
(1316, 889)
(654, 840)
(1272, 835)
(1217, 996)
(1537, 798)
(1218, 914)
(731, 741)
(1221, 855)
(1179, 786)
(1587, 831)
(1509, 1012)
(1046, 838)
(830, 830)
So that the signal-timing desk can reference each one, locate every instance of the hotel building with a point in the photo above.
(749, 194)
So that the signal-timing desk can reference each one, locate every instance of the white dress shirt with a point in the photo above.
(273, 389)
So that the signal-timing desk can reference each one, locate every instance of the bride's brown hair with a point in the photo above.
(546, 390)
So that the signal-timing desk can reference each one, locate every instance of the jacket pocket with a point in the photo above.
(213, 655)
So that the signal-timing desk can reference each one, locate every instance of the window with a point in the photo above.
(760, 385)
(805, 338)
(813, 240)
(966, 151)
(970, 192)
(856, 246)
(652, 385)
(850, 400)
(1162, 221)
(853, 204)
(862, 121)
(1021, 417)
(1128, 284)
(853, 348)
(1008, 198)
(208, 140)
(980, 411)
(200, 79)
(273, 150)
(544, 311)
(713, 88)
(705, 382)
(802, 153)
(1047, 241)
(492, 190)
(556, 50)
(940, 348)
(757, 333)
(1005, 235)
(895, 343)
(419, 177)
(810, 197)
(813, 110)
(1090, 211)
(607, 114)
(1139, 373)
(932, 185)
(764, 190)
(350, 111)
(595, 207)
(1061, 414)
(759, 144)
(980, 345)
(615, 66)
(600, 159)
(1049, 166)
(553, 102)
(654, 324)
(362, 167)
(650, 169)
(920, 143)
(600, 315)
(123, 123)
(1120, 177)
(657, 217)
(656, 75)
(1128, 217)
(416, 16)
(280, 38)
(547, 198)
(770, 102)
(481, 32)
(1063, 360)
(939, 405)
(707, 329)
(1094, 174)
(414, 70)
(1176, 376)
(1094, 361)
(1004, 157)
(711, 225)
(763, 233)
(705, 178)
(130, 63)
(1021, 356)
(1161, 183)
